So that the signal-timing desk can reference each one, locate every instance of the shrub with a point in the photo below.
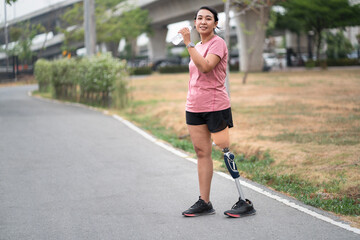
(338, 46)
(141, 71)
(234, 68)
(332, 62)
(64, 83)
(43, 74)
(343, 62)
(310, 64)
(120, 96)
(92, 80)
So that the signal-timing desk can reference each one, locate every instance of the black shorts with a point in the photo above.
(215, 121)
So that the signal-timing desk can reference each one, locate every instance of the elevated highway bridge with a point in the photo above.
(161, 12)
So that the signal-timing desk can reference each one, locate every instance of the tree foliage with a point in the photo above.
(71, 26)
(22, 37)
(111, 26)
(338, 46)
(133, 23)
(254, 4)
(318, 15)
(9, 2)
(287, 22)
(254, 32)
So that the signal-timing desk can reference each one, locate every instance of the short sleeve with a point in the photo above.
(218, 47)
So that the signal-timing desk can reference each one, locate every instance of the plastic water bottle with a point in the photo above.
(178, 38)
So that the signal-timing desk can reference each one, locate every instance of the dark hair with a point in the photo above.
(213, 11)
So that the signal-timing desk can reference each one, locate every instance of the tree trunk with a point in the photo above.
(113, 48)
(133, 43)
(298, 51)
(251, 35)
(318, 44)
(310, 48)
(245, 77)
(251, 32)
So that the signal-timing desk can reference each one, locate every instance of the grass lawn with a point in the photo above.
(296, 132)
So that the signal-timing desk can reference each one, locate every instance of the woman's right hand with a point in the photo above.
(185, 32)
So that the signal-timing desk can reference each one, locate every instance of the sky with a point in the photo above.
(22, 7)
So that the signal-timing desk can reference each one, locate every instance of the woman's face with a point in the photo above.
(205, 22)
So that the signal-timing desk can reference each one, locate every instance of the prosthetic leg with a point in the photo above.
(232, 168)
(243, 207)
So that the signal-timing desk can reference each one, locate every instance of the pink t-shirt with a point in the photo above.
(207, 91)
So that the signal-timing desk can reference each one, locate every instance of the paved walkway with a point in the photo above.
(68, 172)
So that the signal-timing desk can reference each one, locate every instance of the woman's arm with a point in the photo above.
(204, 65)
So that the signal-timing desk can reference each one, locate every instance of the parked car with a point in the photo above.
(271, 59)
(353, 55)
(166, 62)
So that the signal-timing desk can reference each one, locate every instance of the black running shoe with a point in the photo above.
(199, 208)
(241, 209)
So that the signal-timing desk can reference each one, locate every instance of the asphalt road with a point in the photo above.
(69, 172)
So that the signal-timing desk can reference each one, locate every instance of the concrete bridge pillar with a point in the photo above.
(195, 37)
(157, 44)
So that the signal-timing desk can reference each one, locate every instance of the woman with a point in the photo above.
(208, 112)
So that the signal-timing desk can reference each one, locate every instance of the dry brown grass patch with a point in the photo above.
(302, 118)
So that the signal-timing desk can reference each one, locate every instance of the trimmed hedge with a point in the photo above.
(342, 62)
(64, 79)
(43, 73)
(332, 62)
(234, 68)
(99, 80)
(140, 71)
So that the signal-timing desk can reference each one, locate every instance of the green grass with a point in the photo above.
(135, 104)
(336, 137)
(336, 119)
(261, 171)
(279, 108)
(168, 135)
(43, 94)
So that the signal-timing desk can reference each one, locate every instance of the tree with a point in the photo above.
(338, 46)
(105, 12)
(128, 25)
(23, 36)
(132, 24)
(318, 15)
(252, 16)
(9, 2)
(111, 26)
(293, 25)
(72, 27)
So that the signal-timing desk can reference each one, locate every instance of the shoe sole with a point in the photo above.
(252, 212)
(199, 214)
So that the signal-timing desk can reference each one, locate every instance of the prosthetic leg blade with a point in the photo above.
(243, 207)
(229, 159)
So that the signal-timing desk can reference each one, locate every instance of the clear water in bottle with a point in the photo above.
(178, 38)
